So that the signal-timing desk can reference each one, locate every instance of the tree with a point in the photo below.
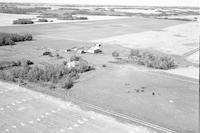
(115, 54)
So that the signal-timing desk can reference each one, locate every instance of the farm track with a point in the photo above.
(123, 116)
(191, 52)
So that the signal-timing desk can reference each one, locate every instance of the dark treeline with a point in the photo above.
(65, 16)
(17, 10)
(23, 21)
(61, 74)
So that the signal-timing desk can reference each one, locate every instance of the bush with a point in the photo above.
(25, 62)
(48, 53)
(104, 65)
(134, 52)
(35, 74)
(84, 66)
(52, 87)
(75, 58)
(20, 72)
(66, 17)
(7, 64)
(74, 74)
(58, 56)
(23, 21)
(42, 20)
(83, 18)
(8, 41)
(28, 37)
(64, 62)
(68, 83)
(79, 18)
(115, 54)
(6, 75)
(47, 74)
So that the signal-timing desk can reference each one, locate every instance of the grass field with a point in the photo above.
(176, 40)
(174, 104)
(167, 100)
(86, 31)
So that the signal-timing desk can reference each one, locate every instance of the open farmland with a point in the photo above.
(181, 40)
(153, 96)
(86, 31)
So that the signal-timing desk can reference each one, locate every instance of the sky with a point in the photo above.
(117, 2)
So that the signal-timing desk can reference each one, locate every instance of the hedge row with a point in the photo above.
(10, 64)
(11, 38)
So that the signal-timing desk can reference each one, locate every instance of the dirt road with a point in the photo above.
(25, 111)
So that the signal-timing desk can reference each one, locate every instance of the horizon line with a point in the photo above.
(100, 5)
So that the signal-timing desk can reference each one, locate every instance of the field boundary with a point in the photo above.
(176, 77)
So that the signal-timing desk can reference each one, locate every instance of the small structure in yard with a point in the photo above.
(52, 54)
(50, 49)
(98, 45)
(95, 49)
(67, 50)
(74, 48)
(72, 64)
(47, 53)
(81, 51)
